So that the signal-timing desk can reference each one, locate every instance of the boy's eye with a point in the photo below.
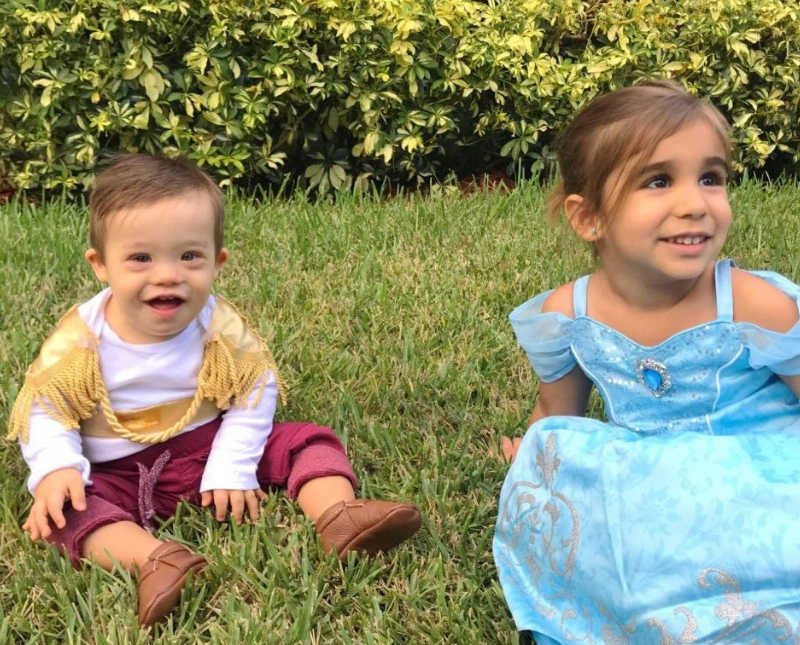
(140, 257)
(659, 181)
(188, 256)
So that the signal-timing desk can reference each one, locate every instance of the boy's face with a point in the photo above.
(159, 261)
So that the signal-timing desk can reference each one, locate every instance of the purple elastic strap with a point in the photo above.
(147, 481)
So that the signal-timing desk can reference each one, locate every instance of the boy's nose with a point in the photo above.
(166, 273)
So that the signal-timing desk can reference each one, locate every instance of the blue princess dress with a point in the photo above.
(678, 520)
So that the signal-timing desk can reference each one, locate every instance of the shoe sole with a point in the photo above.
(387, 533)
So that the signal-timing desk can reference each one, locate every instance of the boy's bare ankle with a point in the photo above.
(124, 543)
(317, 495)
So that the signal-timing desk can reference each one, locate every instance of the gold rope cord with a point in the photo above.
(221, 377)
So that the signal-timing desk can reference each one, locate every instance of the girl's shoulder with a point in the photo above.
(547, 307)
(560, 300)
(768, 300)
(543, 326)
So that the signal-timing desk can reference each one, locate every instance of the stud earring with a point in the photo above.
(595, 230)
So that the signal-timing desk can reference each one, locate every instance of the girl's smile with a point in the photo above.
(688, 244)
(688, 239)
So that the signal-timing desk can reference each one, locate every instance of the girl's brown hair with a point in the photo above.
(620, 131)
(132, 180)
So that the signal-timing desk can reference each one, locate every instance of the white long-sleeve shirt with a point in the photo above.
(140, 376)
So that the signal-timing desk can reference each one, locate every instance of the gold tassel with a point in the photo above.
(68, 391)
(228, 377)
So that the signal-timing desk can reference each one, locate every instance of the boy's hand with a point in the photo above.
(48, 501)
(236, 499)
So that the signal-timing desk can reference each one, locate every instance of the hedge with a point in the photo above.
(338, 93)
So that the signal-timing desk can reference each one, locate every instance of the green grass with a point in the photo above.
(389, 320)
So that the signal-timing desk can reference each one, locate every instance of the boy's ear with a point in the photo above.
(98, 266)
(583, 220)
(222, 258)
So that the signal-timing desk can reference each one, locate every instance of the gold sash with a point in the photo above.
(156, 418)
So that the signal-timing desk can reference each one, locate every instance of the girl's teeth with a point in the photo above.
(688, 240)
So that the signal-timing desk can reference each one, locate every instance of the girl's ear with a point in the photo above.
(583, 220)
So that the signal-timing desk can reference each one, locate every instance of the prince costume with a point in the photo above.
(151, 425)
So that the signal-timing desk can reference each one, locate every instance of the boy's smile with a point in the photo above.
(159, 261)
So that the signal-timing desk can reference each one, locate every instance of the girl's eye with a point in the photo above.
(659, 181)
(712, 178)
(140, 257)
(188, 256)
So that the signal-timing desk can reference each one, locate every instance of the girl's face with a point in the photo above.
(674, 220)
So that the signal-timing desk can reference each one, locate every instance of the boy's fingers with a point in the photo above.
(55, 506)
(77, 495)
(221, 504)
(261, 495)
(252, 500)
(40, 522)
(30, 527)
(237, 505)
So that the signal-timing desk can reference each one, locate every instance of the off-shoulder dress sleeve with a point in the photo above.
(780, 352)
(545, 337)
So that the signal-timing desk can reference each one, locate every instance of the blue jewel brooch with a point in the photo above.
(654, 375)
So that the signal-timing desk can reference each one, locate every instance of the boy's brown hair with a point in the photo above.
(616, 134)
(134, 179)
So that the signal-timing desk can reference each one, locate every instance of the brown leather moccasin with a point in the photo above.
(162, 578)
(366, 525)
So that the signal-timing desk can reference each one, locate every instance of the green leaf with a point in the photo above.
(47, 96)
(142, 119)
(153, 84)
(338, 175)
(213, 117)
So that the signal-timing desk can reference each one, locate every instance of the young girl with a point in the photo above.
(675, 521)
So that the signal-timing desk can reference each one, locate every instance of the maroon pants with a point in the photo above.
(150, 483)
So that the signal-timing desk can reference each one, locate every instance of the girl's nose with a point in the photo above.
(692, 202)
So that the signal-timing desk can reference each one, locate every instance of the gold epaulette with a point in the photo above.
(234, 361)
(65, 378)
